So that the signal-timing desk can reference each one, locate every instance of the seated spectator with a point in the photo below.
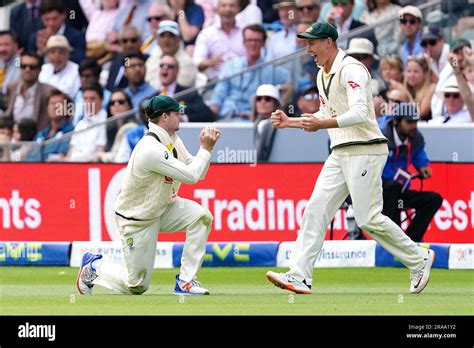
(267, 100)
(458, 47)
(169, 42)
(9, 67)
(132, 13)
(28, 97)
(231, 96)
(195, 110)
(89, 138)
(436, 50)
(454, 108)
(6, 132)
(419, 84)
(308, 10)
(89, 72)
(249, 13)
(341, 17)
(406, 145)
(60, 72)
(119, 104)
(24, 130)
(391, 68)
(53, 16)
(307, 98)
(24, 20)
(411, 23)
(135, 71)
(156, 13)
(101, 19)
(220, 42)
(282, 42)
(387, 35)
(130, 41)
(466, 80)
(398, 103)
(190, 18)
(363, 50)
(60, 108)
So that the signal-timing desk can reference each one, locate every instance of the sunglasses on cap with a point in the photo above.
(341, 2)
(430, 42)
(155, 18)
(452, 95)
(308, 7)
(118, 101)
(29, 66)
(265, 98)
(410, 21)
(311, 96)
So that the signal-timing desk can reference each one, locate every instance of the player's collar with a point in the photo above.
(165, 138)
(337, 61)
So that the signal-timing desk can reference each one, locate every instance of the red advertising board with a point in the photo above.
(67, 202)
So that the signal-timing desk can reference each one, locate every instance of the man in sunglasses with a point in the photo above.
(28, 98)
(435, 48)
(354, 167)
(308, 9)
(156, 13)
(410, 24)
(454, 108)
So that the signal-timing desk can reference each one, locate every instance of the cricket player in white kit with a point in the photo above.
(149, 202)
(359, 153)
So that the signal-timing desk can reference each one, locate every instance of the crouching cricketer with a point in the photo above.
(149, 202)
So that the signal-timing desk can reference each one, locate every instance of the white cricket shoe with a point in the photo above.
(287, 282)
(189, 288)
(419, 279)
(87, 273)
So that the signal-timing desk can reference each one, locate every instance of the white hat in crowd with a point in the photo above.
(411, 10)
(268, 91)
(58, 41)
(361, 46)
(170, 27)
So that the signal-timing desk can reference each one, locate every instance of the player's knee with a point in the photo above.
(138, 290)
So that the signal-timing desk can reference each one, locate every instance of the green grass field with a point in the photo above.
(241, 291)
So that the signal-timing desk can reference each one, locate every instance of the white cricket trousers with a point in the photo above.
(359, 176)
(181, 215)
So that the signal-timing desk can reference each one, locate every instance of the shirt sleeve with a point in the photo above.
(188, 158)
(222, 88)
(201, 50)
(160, 160)
(355, 79)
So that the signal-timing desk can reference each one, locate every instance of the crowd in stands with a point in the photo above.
(68, 66)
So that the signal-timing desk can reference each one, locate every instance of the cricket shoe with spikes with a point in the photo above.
(189, 288)
(287, 282)
(419, 279)
(87, 273)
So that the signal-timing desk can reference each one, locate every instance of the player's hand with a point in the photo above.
(309, 123)
(209, 137)
(279, 119)
(425, 172)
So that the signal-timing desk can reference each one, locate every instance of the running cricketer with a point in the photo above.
(359, 153)
(149, 202)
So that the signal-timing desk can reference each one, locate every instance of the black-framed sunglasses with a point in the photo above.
(430, 42)
(155, 18)
(131, 40)
(265, 98)
(167, 66)
(337, 2)
(409, 21)
(452, 95)
(118, 101)
(29, 66)
(308, 7)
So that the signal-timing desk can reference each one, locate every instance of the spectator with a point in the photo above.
(249, 13)
(436, 51)
(89, 72)
(398, 103)
(341, 17)
(391, 68)
(307, 98)
(6, 132)
(60, 72)
(231, 96)
(9, 69)
(120, 103)
(363, 50)
(208, 6)
(60, 108)
(419, 84)
(407, 146)
(195, 110)
(169, 42)
(282, 43)
(156, 13)
(466, 80)
(130, 41)
(270, 15)
(132, 14)
(24, 130)
(304, 67)
(308, 10)
(387, 35)
(454, 109)
(220, 42)
(53, 16)
(24, 20)
(101, 19)
(410, 24)
(135, 71)
(89, 138)
(190, 18)
(267, 100)
(29, 98)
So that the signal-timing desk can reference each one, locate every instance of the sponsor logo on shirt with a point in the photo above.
(168, 180)
(353, 84)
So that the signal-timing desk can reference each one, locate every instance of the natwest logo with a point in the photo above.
(19, 213)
